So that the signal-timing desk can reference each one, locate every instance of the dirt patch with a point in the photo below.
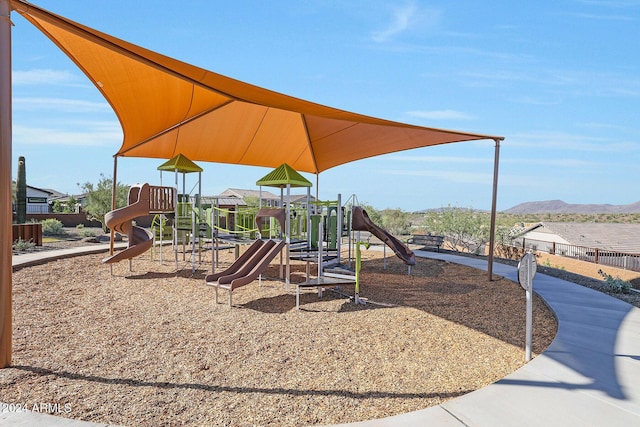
(149, 347)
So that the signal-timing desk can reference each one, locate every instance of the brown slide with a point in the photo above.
(254, 265)
(237, 264)
(120, 220)
(360, 221)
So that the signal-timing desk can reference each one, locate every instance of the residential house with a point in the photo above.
(269, 199)
(38, 200)
(604, 236)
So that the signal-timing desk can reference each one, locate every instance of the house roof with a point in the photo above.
(43, 190)
(224, 200)
(53, 193)
(242, 193)
(616, 237)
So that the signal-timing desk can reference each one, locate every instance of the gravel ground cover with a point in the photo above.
(149, 347)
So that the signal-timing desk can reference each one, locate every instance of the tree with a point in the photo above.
(252, 201)
(99, 198)
(70, 206)
(57, 206)
(374, 214)
(396, 221)
(465, 230)
(21, 192)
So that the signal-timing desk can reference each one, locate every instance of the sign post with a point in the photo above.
(526, 270)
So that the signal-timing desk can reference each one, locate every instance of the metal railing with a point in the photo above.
(607, 257)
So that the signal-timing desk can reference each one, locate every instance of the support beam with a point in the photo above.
(494, 200)
(6, 212)
(114, 189)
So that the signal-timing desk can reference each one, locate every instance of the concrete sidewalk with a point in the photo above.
(41, 257)
(589, 375)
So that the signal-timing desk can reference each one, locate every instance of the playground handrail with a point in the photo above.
(161, 199)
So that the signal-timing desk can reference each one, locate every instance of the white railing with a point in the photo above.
(626, 261)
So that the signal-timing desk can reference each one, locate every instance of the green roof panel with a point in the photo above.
(181, 164)
(283, 175)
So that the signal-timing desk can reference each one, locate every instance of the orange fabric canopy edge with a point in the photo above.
(168, 107)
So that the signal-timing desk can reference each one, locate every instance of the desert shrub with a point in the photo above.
(80, 226)
(88, 233)
(52, 227)
(465, 230)
(616, 285)
(23, 245)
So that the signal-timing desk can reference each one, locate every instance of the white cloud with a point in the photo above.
(530, 100)
(574, 82)
(600, 17)
(407, 17)
(612, 3)
(99, 134)
(452, 176)
(440, 115)
(59, 105)
(442, 159)
(577, 143)
(561, 162)
(45, 76)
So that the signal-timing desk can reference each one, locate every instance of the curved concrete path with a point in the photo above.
(589, 375)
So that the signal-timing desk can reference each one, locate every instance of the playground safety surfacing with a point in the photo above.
(564, 387)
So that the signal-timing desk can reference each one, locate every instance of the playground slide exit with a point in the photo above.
(361, 221)
(120, 220)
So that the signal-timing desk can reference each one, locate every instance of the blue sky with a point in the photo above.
(560, 80)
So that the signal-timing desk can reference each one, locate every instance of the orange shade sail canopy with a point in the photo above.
(167, 107)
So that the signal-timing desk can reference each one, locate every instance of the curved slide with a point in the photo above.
(120, 220)
(360, 221)
(246, 268)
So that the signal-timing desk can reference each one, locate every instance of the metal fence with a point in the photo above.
(608, 257)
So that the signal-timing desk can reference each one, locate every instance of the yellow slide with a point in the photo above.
(120, 220)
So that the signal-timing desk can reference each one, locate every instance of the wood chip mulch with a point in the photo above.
(149, 347)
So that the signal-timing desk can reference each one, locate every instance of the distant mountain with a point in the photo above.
(558, 206)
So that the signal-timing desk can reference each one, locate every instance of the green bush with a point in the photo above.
(79, 226)
(52, 227)
(23, 246)
(616, 285)
(88, 233)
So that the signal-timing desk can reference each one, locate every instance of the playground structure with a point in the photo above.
(143, 200)
(362, 222)
(172, 211)
(312, 231)
(253, 262)
(183, 223)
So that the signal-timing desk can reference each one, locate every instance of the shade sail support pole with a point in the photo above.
(114, 189)
(494, 199)
(6, 211)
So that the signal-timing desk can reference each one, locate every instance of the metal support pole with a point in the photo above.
(492, 232)
(6, 212)
(114, 189)
(200, 236)
(339, 226)
(175, 219)
(287, 225)
(308, 219)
